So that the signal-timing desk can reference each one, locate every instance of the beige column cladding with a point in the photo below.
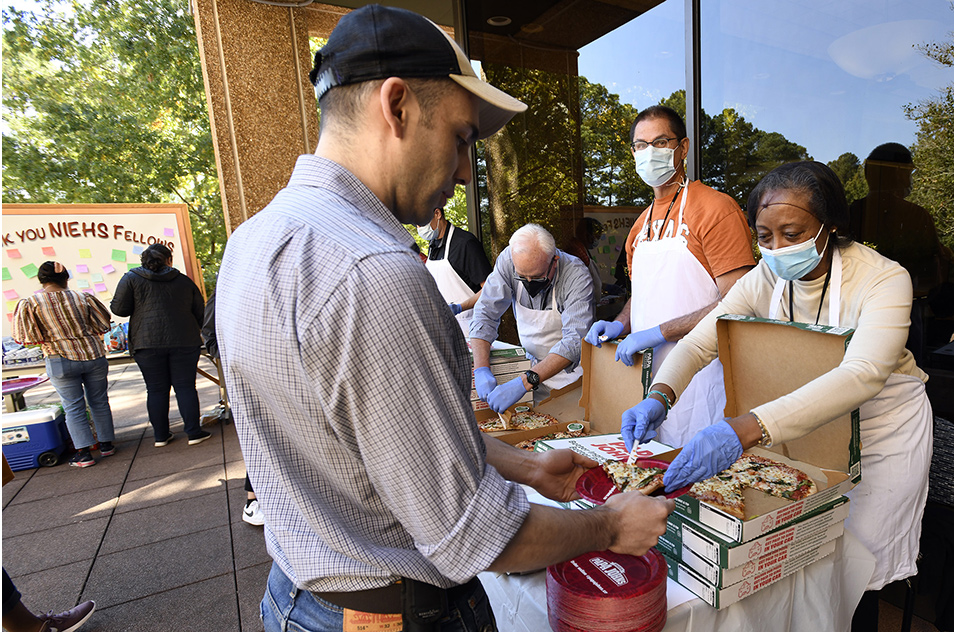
(262, 110)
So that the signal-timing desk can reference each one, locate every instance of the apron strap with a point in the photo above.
(451, 231)
(776, 298)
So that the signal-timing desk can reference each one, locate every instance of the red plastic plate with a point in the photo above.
(20, 384)
(595, 486)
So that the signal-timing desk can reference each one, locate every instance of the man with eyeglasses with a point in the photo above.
(684, 252)
(550, 292)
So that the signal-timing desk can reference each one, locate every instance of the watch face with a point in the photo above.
(533, 378)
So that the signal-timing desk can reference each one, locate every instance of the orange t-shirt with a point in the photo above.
(716, 229)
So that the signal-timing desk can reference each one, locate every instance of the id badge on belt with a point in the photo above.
(355, 621)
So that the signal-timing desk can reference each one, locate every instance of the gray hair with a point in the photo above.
(532, 237)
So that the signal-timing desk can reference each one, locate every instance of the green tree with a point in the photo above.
(850, 171)
(104, 103)
(933, 150)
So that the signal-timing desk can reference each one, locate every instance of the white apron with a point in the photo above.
(667, 281)
(539, 330)
(453, 289)
(896, 433)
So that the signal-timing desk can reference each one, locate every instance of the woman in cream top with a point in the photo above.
(809, 273)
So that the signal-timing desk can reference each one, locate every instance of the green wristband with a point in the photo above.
(667, 400)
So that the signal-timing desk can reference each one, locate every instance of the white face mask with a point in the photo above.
(427, 233)
(796, 261)
(655, 166)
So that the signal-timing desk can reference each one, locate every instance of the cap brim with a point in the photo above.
(496, 107)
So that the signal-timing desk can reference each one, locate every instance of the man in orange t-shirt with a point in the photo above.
(684, 253)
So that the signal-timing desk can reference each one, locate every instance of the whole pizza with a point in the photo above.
(520, 420)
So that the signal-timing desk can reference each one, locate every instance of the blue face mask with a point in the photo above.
(795, 262)
(655, 166)
(427, 233)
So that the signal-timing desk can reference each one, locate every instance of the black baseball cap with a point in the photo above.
(377, 42)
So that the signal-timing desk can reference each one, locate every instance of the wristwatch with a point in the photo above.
(533, 379)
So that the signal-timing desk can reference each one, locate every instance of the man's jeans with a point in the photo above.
(286, 608)
(164, 368)
(70, 378)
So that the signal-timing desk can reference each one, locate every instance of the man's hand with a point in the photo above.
(640, 520)
(712, 450)
(637, 342)
(455, 308)
(557, 471)
(506, 395)
(611, 329)
(485, 382)
(640, 422)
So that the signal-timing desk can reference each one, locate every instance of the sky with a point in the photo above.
(831, 76)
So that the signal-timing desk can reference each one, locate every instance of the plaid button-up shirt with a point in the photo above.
(349, 378)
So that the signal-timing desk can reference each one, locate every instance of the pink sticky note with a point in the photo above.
(169, 232)
(100, 287)
(109, 269)
(49, 251)
(10, 294)
(82, 269)
(89, 290)
(13, 253)
(10, 317)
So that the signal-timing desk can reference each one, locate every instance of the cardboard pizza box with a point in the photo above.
(603, 447)
(512, 437)
(763, 360)
(717, 549)
(720, 598)
(609, 387)
(783, 558)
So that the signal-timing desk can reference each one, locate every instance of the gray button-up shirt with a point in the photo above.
(349, 379)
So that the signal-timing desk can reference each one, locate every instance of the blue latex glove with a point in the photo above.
(713, 449)
(485, 382)
(506, 395)
(611, 329)
(455, 308)
(637, 342)
(641, 421)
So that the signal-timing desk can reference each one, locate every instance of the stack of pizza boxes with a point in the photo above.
(723, 559)
(507, 362)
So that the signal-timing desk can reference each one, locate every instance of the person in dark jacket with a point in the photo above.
(166, 312)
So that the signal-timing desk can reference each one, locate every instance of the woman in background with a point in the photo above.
(166, 312)
(70, 326)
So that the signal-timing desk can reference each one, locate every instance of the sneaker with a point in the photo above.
(253, 514)
(164, 442)
(107, 449)
(83, 458)
(202, 436)
(70, 620)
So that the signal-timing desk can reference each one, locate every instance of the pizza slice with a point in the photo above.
(722, 491)
(645, 480)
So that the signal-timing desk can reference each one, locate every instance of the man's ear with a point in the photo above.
(395, 100)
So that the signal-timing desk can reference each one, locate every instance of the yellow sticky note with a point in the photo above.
(85, 253)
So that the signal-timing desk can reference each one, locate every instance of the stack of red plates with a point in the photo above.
(608, 592)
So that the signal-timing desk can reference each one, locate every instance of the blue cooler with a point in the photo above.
(32, 438)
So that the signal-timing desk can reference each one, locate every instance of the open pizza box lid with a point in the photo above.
(608, 387)
(513, 437)
(763, 360)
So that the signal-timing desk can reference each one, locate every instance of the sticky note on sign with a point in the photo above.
(48, 251)
(118, 255)
(131, 266)
(82, 269)
(10, 294)
(13, 253)
(96, 277)
(30, 270)
(100, 287)
(6, 275)
(108, 269)
(82, 283)
(85, 253)
(138, 250)
(169, 232)
(11, 305)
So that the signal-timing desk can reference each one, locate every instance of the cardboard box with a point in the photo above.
(602, 447)
(481, 406)
(720, 598)
(609, 388)
(512, 437)
(764, 360)
(718, 550)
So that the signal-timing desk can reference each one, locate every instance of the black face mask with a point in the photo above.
(535, 287)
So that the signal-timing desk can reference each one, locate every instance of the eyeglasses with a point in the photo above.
(546, 276)
(660, 143)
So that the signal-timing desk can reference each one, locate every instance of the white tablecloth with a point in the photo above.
(818, 598)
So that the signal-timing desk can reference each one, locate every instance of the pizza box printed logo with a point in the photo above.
(744, 590)
(749, 569)
(767, 523)
(755, 550)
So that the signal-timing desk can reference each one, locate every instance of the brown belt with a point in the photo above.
(384, 600)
